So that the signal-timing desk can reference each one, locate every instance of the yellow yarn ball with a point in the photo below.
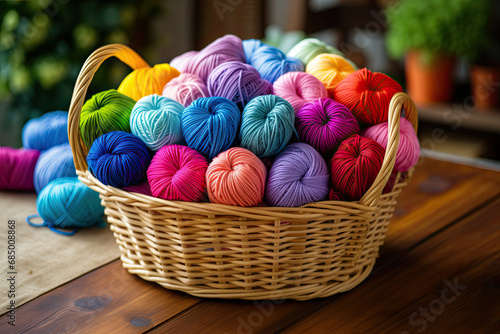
(147, 80)
(330, 69)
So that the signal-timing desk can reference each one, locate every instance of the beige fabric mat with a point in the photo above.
(44, 259)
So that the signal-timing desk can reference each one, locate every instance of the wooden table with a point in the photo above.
(439, 272)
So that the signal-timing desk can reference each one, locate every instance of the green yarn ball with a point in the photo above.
(105, 112)
(308, 48)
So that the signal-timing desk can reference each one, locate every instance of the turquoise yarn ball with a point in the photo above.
(267, 125)
(54, 163)
(156, 120)
(46, 131)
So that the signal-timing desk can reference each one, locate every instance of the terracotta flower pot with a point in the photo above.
(429, 82)
(485, 86)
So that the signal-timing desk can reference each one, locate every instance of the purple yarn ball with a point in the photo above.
(324, 124)
(298, 176)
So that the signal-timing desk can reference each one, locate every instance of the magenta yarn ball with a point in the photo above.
(17, 167)
(185, 89)
(298, 88)
(324, 124)
(408, 149)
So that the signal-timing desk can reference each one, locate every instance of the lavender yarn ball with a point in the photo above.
(271, 63)
(298, 176)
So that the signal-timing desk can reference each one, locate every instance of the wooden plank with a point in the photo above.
(449, 284)
(446, 191)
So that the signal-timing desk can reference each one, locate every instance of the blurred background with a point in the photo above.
(445, 53)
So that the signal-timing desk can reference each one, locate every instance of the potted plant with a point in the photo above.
(432, 34)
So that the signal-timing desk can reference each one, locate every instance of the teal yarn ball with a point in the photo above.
(156, 120)
(308, 48)
(54, 163)
(46, 131)
(105, 112)
(267, 125)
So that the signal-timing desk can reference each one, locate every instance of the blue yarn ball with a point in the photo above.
(118, 159)
(54, 163)
(46, 131)
(210, 125)
(157, 121)
(267, 125)
(271, 63)
(249, 47)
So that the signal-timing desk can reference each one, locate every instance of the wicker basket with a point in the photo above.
(220, 251)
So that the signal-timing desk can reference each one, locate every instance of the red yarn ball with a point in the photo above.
(355, 166)
(367, 95)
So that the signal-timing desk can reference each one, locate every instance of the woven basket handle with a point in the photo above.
(398, 102)
(91, 65)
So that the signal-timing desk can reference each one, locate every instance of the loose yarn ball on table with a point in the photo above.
(236, 177)
(267, 125)
(46, 131)
(177, 173)
(324, 124)
(105, 112)
(156, 120)
(367, 95)
(118, 159)
(330, 69)
(54, 163)
(299, 175)
(299, 88)
(210, 125)
(147, 80)
(308, 48)
(17, 167)
(185, 89)
(271, 63)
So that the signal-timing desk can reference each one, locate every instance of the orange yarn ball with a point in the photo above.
(367, 95)
(236, 177)
(147, 80)
(330, 69)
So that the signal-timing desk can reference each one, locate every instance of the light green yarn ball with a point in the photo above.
(308, 48)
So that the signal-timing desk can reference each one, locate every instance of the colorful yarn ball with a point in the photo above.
(299, 88)
(299, 175)
(249, 47)
(156, 120)
(181, 61)
(237, 82)
(271, 63)
(54, 163)
(105, 112)
(185, 89)
(408, 149)
(324, 124)
(147, 80)
(118, 159)
(236, 177)
(267, 125)
(210, 125)
(46, 131)
(141, 188)
(308, 48)
(330, 69)
(177, 173)
(355, 166)
(367, 95)
(17, 167)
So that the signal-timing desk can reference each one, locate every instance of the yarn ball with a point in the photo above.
(118, 159)
(185, 89)
(141, 188)
(147, 80)
(299, 88)
(236, 177)
(408, 149)
(17, 167)
(367, 95)
(210, 125)
(157, 121)
(105, 112)
(272, 63)
(330, 69)
(177, 173)
(237, 82)
(267, 125)
(308, 48)
(324, 124)
(54, 163)
(181, 61)
(355, 166)
(249, 47)
(299, 175)
(48, 130)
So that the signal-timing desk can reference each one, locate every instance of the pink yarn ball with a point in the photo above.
(177, 173)
(299, 88)
(17, 167)
(181, 62)
(141, 188)
(408, 149)
(185, 89)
